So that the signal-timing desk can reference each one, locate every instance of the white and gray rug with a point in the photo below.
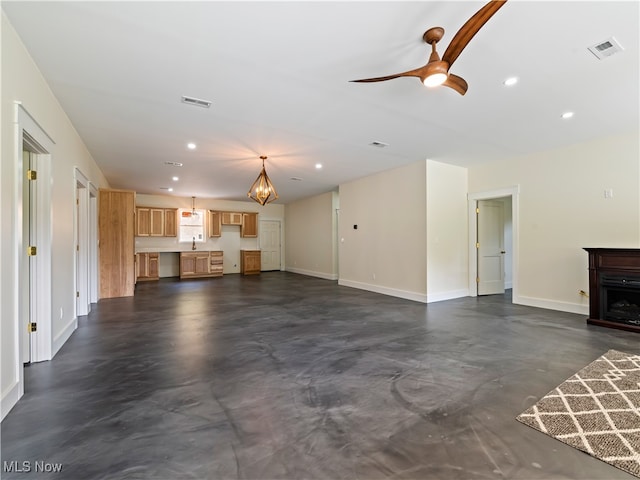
(597, 411)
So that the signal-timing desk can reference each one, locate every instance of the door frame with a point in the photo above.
(514, 193)
(27, 130)
(82, 239)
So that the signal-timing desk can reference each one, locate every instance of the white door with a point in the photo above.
(27, 283)
(491, 251)
(270, 244)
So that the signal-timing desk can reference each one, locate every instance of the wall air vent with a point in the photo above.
(173, 164)
(196, 101)
(606, 48)
(379, 144)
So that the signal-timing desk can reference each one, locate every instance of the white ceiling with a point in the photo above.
(278, 76)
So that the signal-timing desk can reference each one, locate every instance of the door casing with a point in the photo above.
(514, 193)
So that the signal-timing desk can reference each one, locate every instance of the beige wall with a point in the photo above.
(387, 252)
(562, 209)
(311, 233)
(23, 82)
(447, 232)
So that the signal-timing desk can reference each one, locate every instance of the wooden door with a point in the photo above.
(490, 247)
(270, 244)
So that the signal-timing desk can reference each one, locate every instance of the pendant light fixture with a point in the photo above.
(262, 190)
(193, 207)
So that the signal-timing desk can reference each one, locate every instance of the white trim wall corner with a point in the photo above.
(514, 193)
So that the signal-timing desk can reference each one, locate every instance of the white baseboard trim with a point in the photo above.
(553, 305)
(63, 336)
(311, 273)
(393, 292)
(9, 399)
(439, 297)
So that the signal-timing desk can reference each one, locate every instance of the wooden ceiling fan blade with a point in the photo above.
(469, 29)
(411, 73)
(457, 83)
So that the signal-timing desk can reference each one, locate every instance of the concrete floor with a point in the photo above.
(282, 376)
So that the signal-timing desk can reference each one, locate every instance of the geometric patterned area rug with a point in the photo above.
(597, 411)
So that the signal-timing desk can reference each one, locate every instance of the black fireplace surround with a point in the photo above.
(614, 288)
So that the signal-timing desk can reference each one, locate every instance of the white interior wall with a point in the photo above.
(23, 82)
(387, 251)
(562, 208)
(311, 236)
(447, 227)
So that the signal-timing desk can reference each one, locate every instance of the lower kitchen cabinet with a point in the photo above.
(147, 266)
(200, 264)
(250, 262)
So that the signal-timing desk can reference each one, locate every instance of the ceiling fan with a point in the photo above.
(436, 71)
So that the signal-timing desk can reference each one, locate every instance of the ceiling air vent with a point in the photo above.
(606, 48)
(379, 144)
(196, 101)
(173, 164)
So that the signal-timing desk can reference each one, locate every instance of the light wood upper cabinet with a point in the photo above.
(170, 222)
(143, 222)
(156, 228)
(215, 224)
(231, 218)
(249, 227)
(116, 242)
(156, 222)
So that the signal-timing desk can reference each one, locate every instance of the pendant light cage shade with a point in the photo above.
(262, 190)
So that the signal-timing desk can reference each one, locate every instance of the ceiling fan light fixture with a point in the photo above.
(437, 74)
(262, 190)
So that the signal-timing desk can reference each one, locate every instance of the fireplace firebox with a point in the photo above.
(614, 288)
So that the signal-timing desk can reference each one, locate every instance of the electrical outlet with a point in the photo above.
(608, 193)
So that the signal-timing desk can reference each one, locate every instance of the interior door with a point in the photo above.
(270, 245)
(490, 246)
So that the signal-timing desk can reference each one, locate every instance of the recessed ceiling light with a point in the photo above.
(191, 146)
(175, 179)
(170, 189)
(567, 115)
(511, 81)
(375, 143)
(318, 166)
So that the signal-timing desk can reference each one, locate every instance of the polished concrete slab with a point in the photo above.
(283, 376)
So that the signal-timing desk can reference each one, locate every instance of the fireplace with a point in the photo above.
(614, 288)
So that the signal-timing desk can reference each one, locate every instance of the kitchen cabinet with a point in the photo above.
(250, 261)
(249, 227)
(156, 222)
(215, 224)
(170, 222)
(231, 218)
(198, 264)
(116, 230)
(147, 266)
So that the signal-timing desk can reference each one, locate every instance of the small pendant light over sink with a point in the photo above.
(262, 190)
